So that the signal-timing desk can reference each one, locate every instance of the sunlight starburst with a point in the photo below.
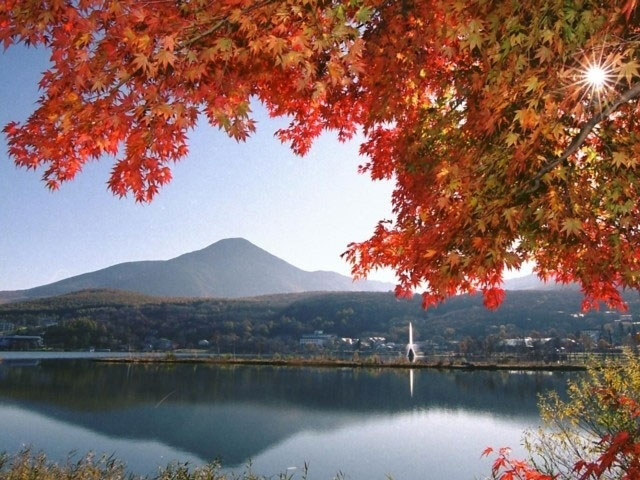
(596, 78)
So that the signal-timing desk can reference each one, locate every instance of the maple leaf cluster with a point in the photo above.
(480, 111)
(130, 78)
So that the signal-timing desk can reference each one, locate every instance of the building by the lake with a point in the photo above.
(317, 338)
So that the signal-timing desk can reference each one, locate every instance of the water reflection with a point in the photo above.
(411, 382)
(277, 416)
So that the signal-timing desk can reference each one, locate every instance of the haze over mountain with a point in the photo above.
(229, 268)
(532, 282)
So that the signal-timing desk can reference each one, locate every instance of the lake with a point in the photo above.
(365, 423)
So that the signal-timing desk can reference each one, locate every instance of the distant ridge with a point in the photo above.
(532, 282)
(229, 268)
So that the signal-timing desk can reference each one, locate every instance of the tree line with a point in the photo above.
(270, 324)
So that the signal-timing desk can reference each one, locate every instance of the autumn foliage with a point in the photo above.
(593, 435)
(502, 147)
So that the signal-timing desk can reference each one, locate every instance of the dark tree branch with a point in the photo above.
(586, 129)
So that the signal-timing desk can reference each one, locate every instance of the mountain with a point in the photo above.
(532, 282)
(230, 268)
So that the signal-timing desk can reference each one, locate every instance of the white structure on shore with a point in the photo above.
(411, 348)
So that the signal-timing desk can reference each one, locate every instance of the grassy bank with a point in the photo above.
(368, 362)
(26, 466)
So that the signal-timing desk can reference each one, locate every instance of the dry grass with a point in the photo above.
(28, 466)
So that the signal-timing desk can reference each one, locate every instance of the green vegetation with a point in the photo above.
(593, 434)
(25, 466)
(601, 405)
(268, 324)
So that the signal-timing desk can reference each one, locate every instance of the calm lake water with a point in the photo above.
(365, 423)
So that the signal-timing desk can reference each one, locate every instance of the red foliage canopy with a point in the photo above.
(503, 147)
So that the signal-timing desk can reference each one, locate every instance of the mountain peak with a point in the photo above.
(236, 241)
(532, 282)
(231, 267)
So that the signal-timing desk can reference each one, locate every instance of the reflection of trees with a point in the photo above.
(213, 411)
(88, 386)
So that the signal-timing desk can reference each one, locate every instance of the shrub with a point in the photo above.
(593, 435)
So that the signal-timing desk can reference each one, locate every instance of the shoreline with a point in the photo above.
(328, 363)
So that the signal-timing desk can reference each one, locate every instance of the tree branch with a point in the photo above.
(207, 32)
(586, 129)
(221, 22)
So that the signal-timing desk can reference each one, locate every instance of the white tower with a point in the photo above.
(411, 352)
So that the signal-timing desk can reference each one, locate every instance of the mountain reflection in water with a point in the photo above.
(198, 413)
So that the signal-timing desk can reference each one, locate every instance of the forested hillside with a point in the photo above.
(115, 319)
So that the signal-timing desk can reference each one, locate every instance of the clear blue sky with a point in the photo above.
(304, 210)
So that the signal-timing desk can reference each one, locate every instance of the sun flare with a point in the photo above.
(596, 76)
(595, 79)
